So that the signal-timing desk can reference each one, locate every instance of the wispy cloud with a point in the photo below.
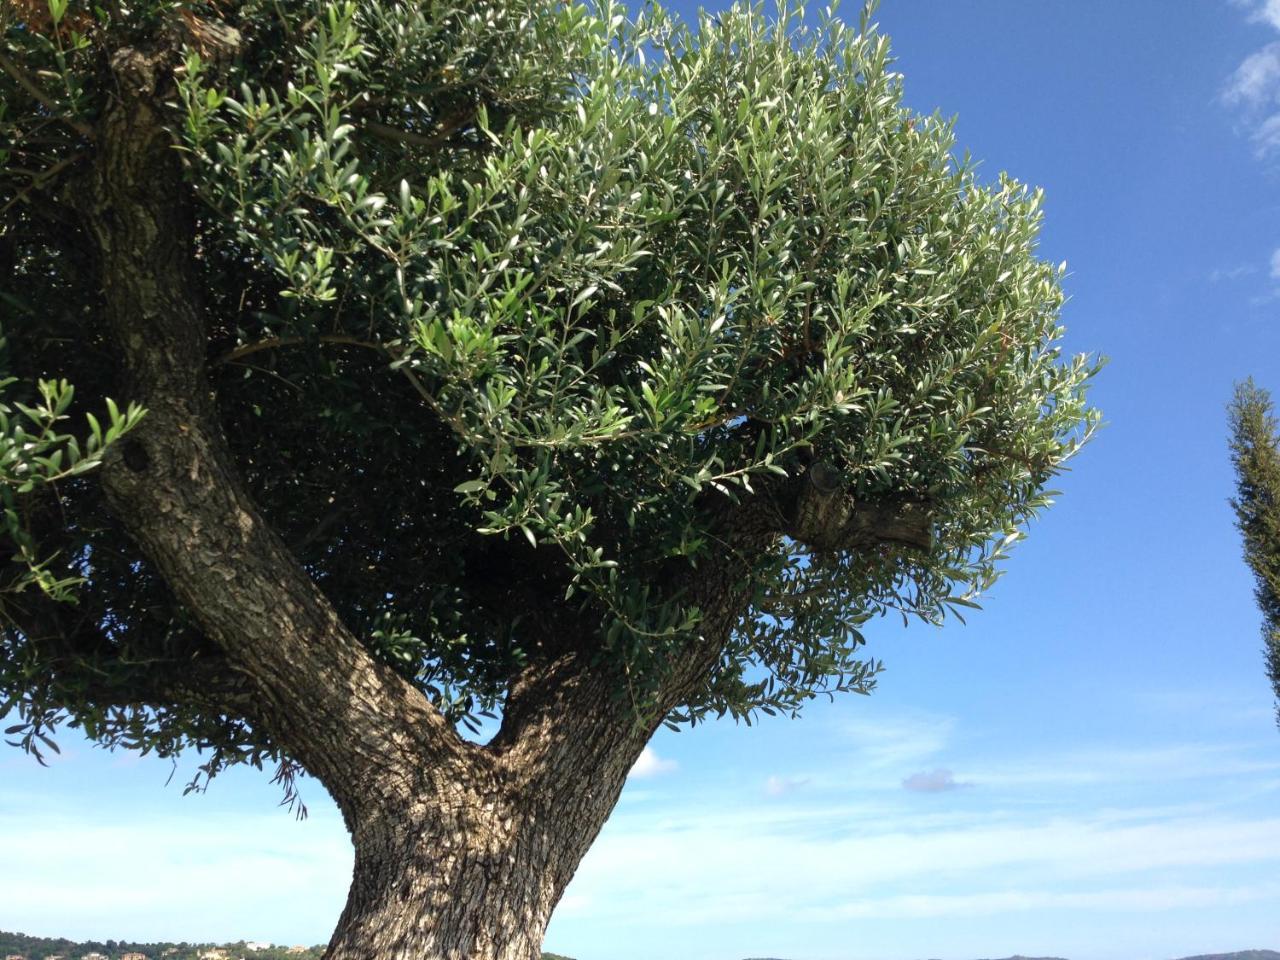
(1261, 11)
(1229, 274)
(902, 741)
(1254, 87)
(706, 865)
(1275, 264)
(1255, 81)
(1118, 765)
(1152, 899)
(777, 786)
(649, 764)
(81, 875)
(933, 781)
(1072, 830)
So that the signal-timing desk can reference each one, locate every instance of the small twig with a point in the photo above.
(39, 181)
(29, 85)
(234, 356)
(270, 373)
(277, 342)
(444, 131)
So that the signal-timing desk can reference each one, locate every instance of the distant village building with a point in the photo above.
(133, 956)
(95, 956)
(15, 956)
(215, 953)
(296, 950)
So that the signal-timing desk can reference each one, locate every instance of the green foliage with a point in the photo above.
(1255, 454)
(34, 456)
(509, 300)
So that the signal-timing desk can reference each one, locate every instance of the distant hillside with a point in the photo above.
(38, 948)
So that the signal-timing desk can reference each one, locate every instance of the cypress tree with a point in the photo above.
(1255, 453)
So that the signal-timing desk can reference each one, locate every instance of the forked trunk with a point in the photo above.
(475, 874)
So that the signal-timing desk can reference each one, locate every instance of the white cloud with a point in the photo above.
(1118, 765)
(1275, 262)
(262, 876)
(1151, 899)
(896, 742)
(1261, 11)
(1051, 834)
(649, 764)
(573, 904)
(705, 866)
(777, 786)
(1220, 274)
(1254, 87)
(932, 781)
(1256, 81)
(1266, 136)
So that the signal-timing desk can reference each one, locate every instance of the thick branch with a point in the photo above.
(326, 700)
(825, 517)
(574, 704)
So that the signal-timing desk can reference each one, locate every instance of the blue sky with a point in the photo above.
(1089, 769)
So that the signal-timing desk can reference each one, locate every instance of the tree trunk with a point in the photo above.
(461, 851)
(472, 869)
(464, 890)
(471, 879)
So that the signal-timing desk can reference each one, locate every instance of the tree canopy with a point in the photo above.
(473, 346)
(504, 302)
(1255, 454)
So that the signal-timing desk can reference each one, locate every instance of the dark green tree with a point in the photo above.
(488, 357)
(1255, 454)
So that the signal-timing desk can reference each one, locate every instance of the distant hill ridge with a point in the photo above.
(1238, 955)
(37, 948)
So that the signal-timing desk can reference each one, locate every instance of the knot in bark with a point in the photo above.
(135, 72)
(826, 517)
(822, 507)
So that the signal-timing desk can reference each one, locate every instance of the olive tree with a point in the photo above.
(1255, 454)
(435, 361)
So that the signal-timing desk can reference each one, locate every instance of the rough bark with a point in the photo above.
(825, 517)
(476, 872)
